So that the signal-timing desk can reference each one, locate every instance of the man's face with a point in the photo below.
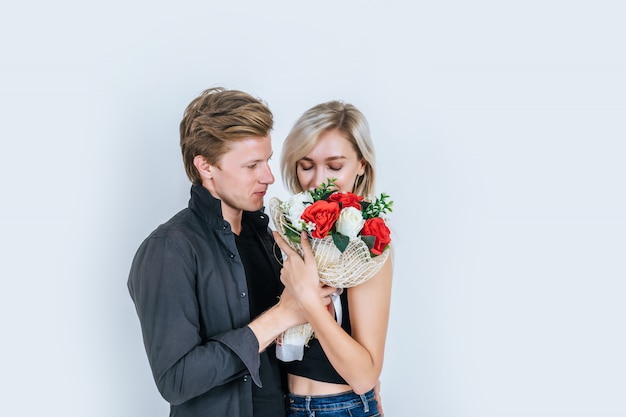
(242, 176)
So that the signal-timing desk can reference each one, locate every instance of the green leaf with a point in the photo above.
(341, 241)
(292, 234)
(327, 194)
(364, 209)
(369, 241)
(324, 190)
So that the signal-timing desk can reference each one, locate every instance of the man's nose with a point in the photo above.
(268, 177)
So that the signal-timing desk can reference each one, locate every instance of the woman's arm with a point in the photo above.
(357, 358)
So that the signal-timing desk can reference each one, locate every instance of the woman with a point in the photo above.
(342, 364)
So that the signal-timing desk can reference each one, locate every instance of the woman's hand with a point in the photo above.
(379, 399)
(300, 277)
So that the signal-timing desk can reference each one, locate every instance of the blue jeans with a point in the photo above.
(347, 404)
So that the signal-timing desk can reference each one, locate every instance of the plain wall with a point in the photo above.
(500, 134)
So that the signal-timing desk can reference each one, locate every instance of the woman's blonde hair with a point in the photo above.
(319, 119)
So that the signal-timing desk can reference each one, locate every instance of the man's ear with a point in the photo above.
(203, 167)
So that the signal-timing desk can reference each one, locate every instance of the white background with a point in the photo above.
(500, 129)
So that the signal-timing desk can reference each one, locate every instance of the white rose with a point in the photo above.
(350, 222)
(296, 206)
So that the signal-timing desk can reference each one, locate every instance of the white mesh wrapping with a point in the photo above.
(336, 269)
(290, 344)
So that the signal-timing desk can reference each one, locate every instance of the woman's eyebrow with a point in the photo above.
(330, 158)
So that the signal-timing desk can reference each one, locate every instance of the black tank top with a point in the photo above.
(315, 364)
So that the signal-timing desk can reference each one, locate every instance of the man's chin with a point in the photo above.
(256, 206)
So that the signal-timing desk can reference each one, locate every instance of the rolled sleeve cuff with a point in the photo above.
(246, 346)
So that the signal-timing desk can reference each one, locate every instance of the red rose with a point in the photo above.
(323, 214)
(347, 200)
(376, 227)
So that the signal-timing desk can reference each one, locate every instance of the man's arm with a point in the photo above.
(285, 314)
(162, 284)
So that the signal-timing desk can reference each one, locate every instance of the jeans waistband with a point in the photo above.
(340, 401)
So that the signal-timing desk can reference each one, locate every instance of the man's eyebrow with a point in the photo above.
(258, 160)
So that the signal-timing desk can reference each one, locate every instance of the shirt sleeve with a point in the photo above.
(162, 285)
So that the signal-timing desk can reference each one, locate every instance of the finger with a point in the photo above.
(283, 245)
(327, 291)
(307, 251)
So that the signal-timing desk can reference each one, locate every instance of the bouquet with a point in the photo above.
(349, 238)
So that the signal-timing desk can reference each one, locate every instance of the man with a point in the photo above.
(206, 283)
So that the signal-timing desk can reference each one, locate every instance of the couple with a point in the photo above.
(211, 293)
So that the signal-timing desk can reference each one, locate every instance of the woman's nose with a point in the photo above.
(320, 177)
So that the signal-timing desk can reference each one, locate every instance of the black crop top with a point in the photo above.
(315, 364)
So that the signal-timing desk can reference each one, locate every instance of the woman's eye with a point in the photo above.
(305, 167)
(335, 168)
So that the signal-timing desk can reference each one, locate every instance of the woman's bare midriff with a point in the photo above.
(300, 385)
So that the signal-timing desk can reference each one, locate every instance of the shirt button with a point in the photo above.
(243, 294)
(232, 255)
(245, 378)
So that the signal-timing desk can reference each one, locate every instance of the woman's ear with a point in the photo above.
(362, 167)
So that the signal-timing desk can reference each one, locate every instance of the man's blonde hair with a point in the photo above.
(215, 119)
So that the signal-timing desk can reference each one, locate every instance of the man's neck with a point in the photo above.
(233, 217)
(230, 214)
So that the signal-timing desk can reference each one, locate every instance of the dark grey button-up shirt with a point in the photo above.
(190, 292)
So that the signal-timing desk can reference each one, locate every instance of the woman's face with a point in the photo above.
(332, 157)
